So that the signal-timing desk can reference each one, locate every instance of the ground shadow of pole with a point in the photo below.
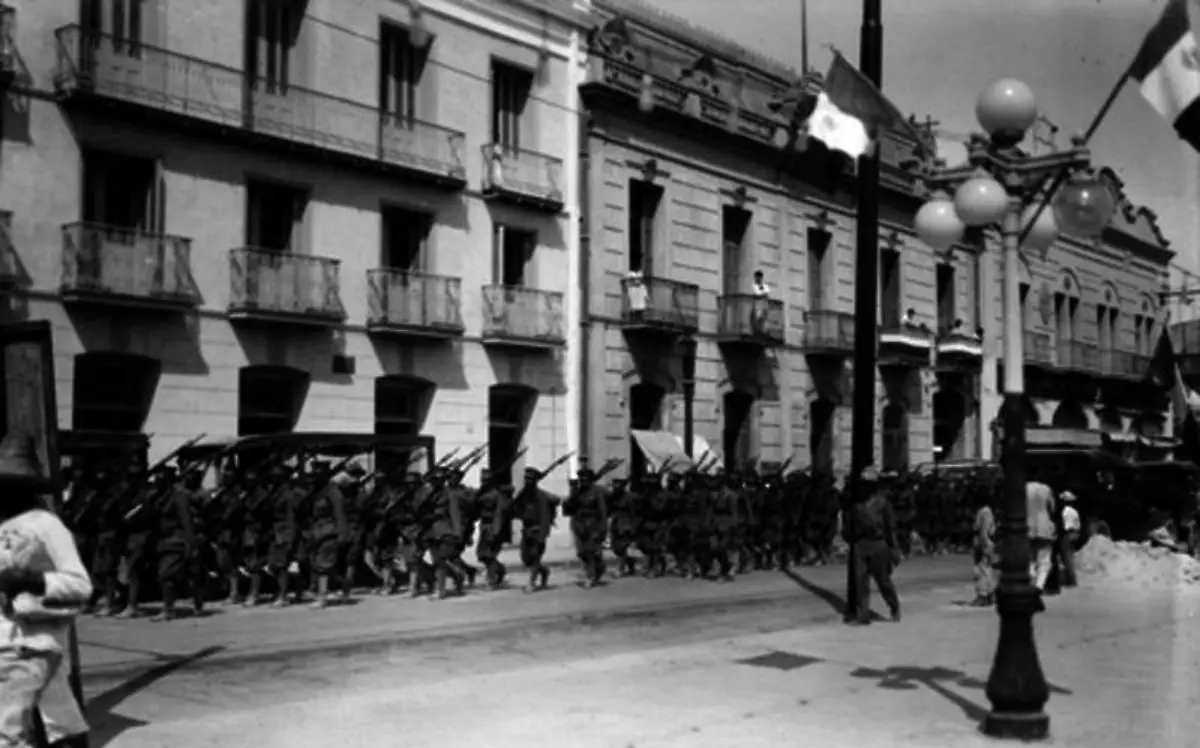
(909, 678)
(106, 724)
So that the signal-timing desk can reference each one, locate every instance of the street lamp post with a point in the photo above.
(688, 363)
(1001, 185)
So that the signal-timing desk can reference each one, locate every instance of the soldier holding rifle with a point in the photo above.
(587, 506)
(536, 511)
(493, 506)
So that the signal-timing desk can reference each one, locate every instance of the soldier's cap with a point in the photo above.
(869, 474)
(585, 473)
(355, 469)
(532, 474)
(1067, 496)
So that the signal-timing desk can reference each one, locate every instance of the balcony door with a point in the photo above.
(509, 410)
(512, 256)
(645, 198)
(270, 399)
(818, 247)
(890, 312)
(947, 297)
(122, 202)
(272, 36)
(401, 67)
(511, 91)
(735, 226)
(121, 191)
(275, 216)
(114, 29)
(405, 235)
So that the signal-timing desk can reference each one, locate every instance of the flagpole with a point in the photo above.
(1062, 175)
(803, 36)
(866, 296)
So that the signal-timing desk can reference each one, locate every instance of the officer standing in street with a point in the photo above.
(875, 547)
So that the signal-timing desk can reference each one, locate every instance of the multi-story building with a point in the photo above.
(691, 190)
(249, 216)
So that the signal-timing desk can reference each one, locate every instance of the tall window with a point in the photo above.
(946, 301)
(400, 68)
(1106, 327)
(120, 20)
(272, 32)
(511, 87)
(644, 199)
(735, 224)
(818, 247)
(1143, 333)
(405, 235)
(275, 216)
(889, 289)
(514, 249)
(1065, 309)
(121, 191)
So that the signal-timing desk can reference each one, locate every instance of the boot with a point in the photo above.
(534, 575)
(544, 576)
(439, 582)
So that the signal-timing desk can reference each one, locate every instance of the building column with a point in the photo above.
(575, 399)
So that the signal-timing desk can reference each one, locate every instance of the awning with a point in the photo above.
(662, 448)
(1049, 435)
(704, 453)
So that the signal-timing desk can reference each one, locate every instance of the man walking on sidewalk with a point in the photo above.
(875, 548)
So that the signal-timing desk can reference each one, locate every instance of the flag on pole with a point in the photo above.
(1167, 69)
(1164, 372)
(851, 94)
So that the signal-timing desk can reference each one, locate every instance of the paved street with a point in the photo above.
(652, 663)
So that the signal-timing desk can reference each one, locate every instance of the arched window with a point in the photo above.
(821, 434)
(736, 438)
(509, 409)
(113, 391)
(270, 399)
(895, 437)
(401, 404)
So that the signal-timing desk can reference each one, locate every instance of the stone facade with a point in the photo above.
(707, 149)
(155, 92)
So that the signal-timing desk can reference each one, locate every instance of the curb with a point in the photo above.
(444, 634)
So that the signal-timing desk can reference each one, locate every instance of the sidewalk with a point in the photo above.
(109, 647)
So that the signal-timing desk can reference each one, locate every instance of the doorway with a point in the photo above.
(895, 437)
(820, 437)
(949, 414)
(509, 409)
(645, 414)
(736, 436)
(270, 399)
(735, 224)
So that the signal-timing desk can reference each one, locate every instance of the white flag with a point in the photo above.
(836, 129)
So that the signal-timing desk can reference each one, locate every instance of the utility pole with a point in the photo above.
(866, 291)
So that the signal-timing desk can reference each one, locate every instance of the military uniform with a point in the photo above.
(588, 509)
(495, 529)
(536, 513)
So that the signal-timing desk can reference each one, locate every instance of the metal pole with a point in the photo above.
(862, 452)
(1016, 685)
(689, 418)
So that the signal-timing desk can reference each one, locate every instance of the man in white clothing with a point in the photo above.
(43, 585)
(1039, 507)
(1069, 541)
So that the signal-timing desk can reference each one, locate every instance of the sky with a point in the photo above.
(939, 54)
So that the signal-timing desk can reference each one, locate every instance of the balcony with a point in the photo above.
(1079, 357)
(414, 304)
(522, 178)
(97, 68)
(1038, 352)
(959, 351)
(905, 345)
(517, 317)
(1125, 365)
(750, 320)
(127, 267)
(273, 286)
(658, 306)
(828, 333)
(9, 59)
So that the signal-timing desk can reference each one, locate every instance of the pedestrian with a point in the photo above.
(1069, 541)
(876, 551)
(985, 556)
(43, 585)
(1039, 507)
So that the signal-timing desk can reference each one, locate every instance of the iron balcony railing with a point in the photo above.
(270, 282)
(647, 301)
(917, 334)
(827, 330)
(100, 260)
(137, 73)
(1124, 364)
(749, 317)
(412, 300)
(1037, 348)
(1078, 356)
(523, 314)
(522, 173)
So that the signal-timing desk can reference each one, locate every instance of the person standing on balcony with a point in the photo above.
(758, 312)
(636, 295)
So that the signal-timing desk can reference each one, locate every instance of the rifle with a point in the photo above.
(555, 465)
(507, 465)
(472, 457)
(783, 468)
(697, 465)
(610, 465)
(175, 453)
(446, 459)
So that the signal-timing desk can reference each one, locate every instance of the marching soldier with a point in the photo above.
(227, 516)
(623, 525)
(412, 531)
(536, 513)
(176, 542)
(385, 535)
(495, 528)
(468, 515)
(357, 499)
(444, 537)
(258, 530)
(328, 531)
(588, 509)
(726, 526)
(875, 547)
(138, 521)
(287, 507)
(655, 526)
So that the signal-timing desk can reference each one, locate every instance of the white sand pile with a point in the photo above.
(1105, 563)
